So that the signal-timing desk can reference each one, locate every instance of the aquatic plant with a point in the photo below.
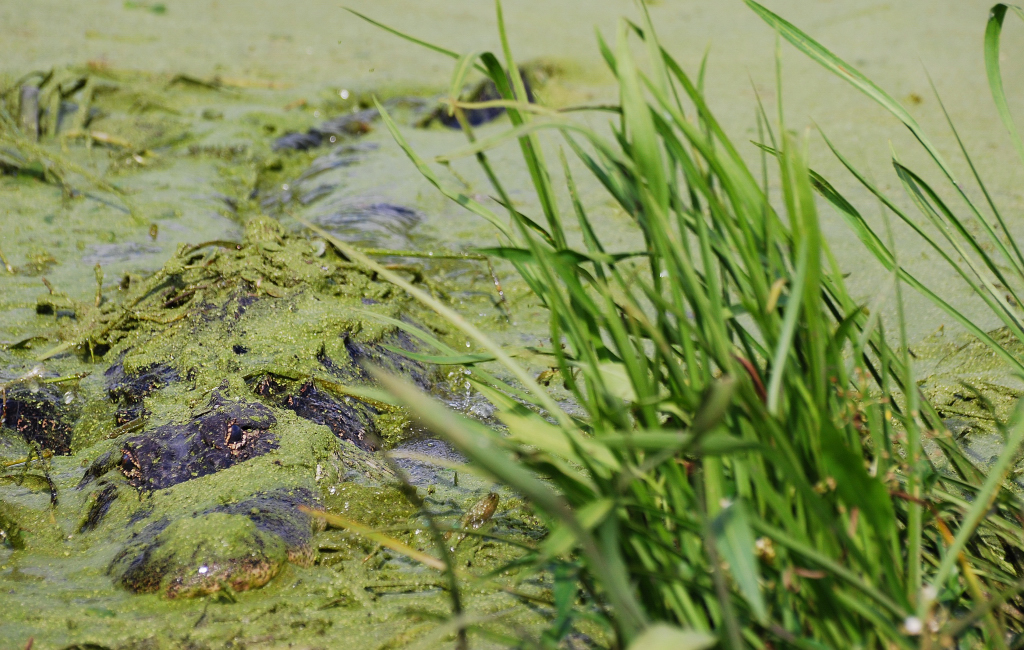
(756, 466)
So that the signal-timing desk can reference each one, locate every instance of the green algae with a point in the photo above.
(290, 303)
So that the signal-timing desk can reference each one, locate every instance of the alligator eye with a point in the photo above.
(235, 435)
(129, 466)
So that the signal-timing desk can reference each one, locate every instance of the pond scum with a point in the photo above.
(747, 459)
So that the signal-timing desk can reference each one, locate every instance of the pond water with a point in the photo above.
(192, 96)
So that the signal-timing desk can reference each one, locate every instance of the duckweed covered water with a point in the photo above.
(167, 493)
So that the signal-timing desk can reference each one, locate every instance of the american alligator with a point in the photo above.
(228, 398)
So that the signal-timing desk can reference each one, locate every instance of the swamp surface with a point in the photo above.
(188, 314)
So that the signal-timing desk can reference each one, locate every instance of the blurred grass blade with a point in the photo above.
(669, 637)
(637, 117)
(789, 326)
(735, 541)
(452, 317)
(459, 431)
(462, 68)
(983, 500)
(562, 540)
(441, 360)
(404, 36)
(388, 542)
(530, 428)
(428, 173)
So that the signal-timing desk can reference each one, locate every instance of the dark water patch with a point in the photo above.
(328, 132)
(421, 473)
(394, 217)
(342, 156)
(104, 254)
(339, 157)
(223, 434)
(369, 220)
(318, 192)
(349, 125)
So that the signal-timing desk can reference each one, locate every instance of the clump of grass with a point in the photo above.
(752, 469)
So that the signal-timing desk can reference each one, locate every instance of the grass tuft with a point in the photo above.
(752, 469)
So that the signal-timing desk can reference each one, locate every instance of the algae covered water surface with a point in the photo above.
(181, 371)
(181, 362)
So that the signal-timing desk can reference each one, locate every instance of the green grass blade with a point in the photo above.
(661, 636)
(462, 68)
(834, 64)
(993, 33)
(532, 153)
(453, 317)
(485, 144)
(1018, 263)
(637, 116)
(428, 173)
(407, 37)
(932, 206)
(881, 252)
(735, 540)
(789, 324)
(833, 567)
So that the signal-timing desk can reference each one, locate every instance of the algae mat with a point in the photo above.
(181, 373)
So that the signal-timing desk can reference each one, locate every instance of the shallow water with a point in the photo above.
(285, 69)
